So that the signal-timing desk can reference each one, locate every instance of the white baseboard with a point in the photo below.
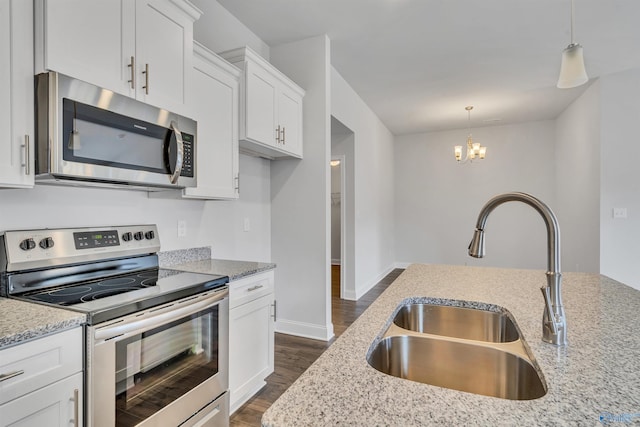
(306, 330)
(360, 291)
(403, 264)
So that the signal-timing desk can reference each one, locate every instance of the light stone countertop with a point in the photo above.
(22, 321)
(596, 375)
(234, 269)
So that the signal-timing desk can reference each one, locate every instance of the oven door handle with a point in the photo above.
(159, 317)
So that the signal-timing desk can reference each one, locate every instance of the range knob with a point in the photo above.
(127, 236)
(149, 235)
(138, 235)
(27, 244)
(46, 243)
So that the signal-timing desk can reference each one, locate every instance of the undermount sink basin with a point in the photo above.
(457, 322)
(458, 366)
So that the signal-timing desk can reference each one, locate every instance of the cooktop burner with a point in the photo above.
(94, 290)
(85, 292)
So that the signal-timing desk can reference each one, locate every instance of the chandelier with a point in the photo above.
(474, 149)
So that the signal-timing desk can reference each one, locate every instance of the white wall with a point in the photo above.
(437, 200)
(209, 223)
(620, 178)
(577, 160)
(300, 192)
(373, 167)
(219, 30)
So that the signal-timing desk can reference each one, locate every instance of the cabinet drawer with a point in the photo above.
(39, 363)
(250, 288)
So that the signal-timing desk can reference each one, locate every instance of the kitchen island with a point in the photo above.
(595, 379)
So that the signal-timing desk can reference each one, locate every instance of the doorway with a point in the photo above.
(342, 211)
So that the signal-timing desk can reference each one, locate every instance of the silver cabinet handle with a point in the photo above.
(4, 377)
(274, 310)
(76, 410)
(283, 135)
(146, 79)
(237, 187)
(27, 156)
(132, 65)
(179, 154)
(255, 288)
(278, 135)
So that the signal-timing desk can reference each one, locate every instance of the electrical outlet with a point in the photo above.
(619, 213)
(247, 225)
(182, 228)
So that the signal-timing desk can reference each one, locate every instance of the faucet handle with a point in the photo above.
(547, 304)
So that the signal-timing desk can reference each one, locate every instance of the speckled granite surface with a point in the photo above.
(22, 321)
(596, 376)
(178, 256)
(234, 269)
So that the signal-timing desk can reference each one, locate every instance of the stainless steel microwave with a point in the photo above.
(86, 135)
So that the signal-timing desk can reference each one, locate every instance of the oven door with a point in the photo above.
(162, 366)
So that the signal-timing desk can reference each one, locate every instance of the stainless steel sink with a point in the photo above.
(468, 349)
(457, 322)
(459, 366)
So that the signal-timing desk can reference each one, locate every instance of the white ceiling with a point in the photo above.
(418, 63)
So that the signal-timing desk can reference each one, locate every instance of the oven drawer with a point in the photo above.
(250, 288)
(35, 364)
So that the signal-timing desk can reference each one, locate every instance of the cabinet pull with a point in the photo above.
(274, 310)
(146, 79)
(278, 135)
(76, 410)
(255, 288)
(4, 377)
(237, 187)
(132, 65)
(27, 155)
(284, 138)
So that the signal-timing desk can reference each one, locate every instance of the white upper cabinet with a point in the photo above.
(16, 94)
(140, 48)
(214, 103)
(270, 107)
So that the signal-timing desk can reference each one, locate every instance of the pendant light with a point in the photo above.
(572, 71)
(474, 149)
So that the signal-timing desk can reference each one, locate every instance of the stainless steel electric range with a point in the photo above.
(156, 339)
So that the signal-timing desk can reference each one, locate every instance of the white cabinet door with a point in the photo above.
(164, 47)
(251, 346)
(92, 41)
(16, 93)
(270, 107)
(290, 121)
(260, 121)
(214, 103)
(139, 48)
(56, 405)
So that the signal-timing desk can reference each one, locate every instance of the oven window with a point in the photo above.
(158, 366)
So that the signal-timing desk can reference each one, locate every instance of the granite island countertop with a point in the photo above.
(234, 269)
(22, 321)
(596, 375)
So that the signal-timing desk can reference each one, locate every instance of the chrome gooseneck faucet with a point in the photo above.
(554, 322)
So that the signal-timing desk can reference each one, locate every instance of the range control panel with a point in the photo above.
(22, 249)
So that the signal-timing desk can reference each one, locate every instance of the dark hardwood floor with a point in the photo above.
(293, 355)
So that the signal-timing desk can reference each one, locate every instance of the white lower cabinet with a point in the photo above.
(41, 382)
(251, 335)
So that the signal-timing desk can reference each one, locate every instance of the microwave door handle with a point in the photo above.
(179, 154)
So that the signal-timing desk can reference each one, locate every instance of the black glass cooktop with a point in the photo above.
(91, 291)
